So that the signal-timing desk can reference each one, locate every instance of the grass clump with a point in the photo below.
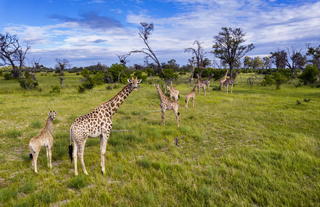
(78, 182)
(14, 133)
(35, 124)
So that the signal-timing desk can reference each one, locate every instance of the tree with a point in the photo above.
(314, 52)
(247, 62)
(295, 60)
(123, 59)
(144, 33)
(13, 53)
(280, 59)
(229, 46)
(172, 64)
(266, 62)
(61, 65)
(257, 63)
(198, 54)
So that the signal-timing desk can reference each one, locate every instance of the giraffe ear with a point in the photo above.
(140, 80)
(129, 81)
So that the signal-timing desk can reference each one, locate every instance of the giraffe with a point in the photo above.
(202, 85)
(97, 123)
(174, 93)
(223, 79)
(191, 95)
(167, 104)
(230, 82)
(45, 138)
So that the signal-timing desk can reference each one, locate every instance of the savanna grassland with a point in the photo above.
(255, 147)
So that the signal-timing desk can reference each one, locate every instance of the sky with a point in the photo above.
(90, 31)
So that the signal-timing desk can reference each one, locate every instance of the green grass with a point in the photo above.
(255, 147)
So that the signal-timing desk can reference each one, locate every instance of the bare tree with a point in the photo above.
(123, 59)
(228, 46)
(295, 60)
(144, 33)
(61, 65)
(13, 53)
(198, 54)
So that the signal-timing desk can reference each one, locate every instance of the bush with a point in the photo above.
(55, 89)
(169, 74)
(81, 89)
(277, 78)
(7, 76)
(309, 75)
(28, 81)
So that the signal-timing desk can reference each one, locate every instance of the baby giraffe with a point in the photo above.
(166, 104)
(191, 95)
(174, 93)
(45, 139)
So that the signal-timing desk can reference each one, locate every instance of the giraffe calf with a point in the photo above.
(174, 93)
(191, 95)
(45, 139)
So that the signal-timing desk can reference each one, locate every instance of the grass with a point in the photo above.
(255, 147)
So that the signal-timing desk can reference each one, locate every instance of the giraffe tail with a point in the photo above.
(70, 146)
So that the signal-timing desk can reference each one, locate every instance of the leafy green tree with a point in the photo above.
(229, 47)
(309, 75)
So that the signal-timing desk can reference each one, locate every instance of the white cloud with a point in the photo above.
(267, 25)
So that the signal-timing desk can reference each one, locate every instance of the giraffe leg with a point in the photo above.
(81, 154)
(163, 117)
(231, 88)
(47, 152)
(193, 102)
(103, 146)
(35, 160)
(75, 158)
(187, 103)
(227, 88)
(205, 91)
(50, 157)
(176, 113)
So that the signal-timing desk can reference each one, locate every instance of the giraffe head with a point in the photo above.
(134, 83)
(52, 115)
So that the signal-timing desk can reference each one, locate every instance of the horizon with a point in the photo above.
(90, 31)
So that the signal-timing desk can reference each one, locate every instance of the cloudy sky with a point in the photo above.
(91, 31)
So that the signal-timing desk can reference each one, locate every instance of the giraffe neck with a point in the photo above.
(114, 103)
(162, 96)
(49, 125)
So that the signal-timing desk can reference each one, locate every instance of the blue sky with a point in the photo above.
(91, 31)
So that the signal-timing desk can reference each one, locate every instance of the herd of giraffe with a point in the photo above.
(98, 123)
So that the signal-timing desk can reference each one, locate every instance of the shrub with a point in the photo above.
(29, 81)
(169, 74)
(81, 89)
(309, 75)
(7, 76)
(55, 89)
(277, 78)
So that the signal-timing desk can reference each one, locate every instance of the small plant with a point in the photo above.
(55, 89)
(36, 124)
(81, 89)
(13, 133)
(78, 182)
